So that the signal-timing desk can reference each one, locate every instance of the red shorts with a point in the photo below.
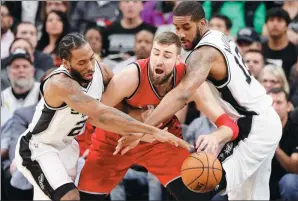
(103, 171)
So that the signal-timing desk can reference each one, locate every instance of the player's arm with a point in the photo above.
(69, 91)
(198, 68)
(227, 128)
(289, 163)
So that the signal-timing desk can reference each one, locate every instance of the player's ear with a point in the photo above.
(66, 64)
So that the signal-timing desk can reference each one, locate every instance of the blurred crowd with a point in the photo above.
(122, 32)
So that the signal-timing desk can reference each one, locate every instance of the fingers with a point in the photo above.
(203, 145)
(199, 141)
(117, 149)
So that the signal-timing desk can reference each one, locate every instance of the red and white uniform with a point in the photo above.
(103, 171)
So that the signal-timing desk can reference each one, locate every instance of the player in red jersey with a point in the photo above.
(142, 85)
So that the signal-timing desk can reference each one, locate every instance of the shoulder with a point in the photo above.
(202, 53)
(130, 75)
(60, 84)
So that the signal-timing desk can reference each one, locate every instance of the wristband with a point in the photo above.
(225, 120)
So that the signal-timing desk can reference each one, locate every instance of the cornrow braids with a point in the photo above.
(70, 42)
(190, 8)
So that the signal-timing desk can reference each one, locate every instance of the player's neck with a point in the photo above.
(278, 44)
(130, 23)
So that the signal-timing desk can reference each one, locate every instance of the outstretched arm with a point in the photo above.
(198, 67)
(107, 118)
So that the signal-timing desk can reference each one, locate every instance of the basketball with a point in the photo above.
(201, 172)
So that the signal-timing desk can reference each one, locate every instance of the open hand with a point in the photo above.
(127, 143)
(208, 143)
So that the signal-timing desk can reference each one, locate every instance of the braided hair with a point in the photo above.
(70, 42)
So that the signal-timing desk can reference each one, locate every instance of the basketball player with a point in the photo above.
(215, 58)
(47, 153)
(142, 85)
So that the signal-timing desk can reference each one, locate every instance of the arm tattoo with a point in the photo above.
(73, 90)
(104, 116)
(198, 66)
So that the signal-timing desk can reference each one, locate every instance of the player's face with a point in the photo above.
(188, 31)
(163, 58)
(281, 105)
(82, 64)
(254, 62)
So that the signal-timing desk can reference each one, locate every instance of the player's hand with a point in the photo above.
(164, 136)
(208, 143)
(127, 143)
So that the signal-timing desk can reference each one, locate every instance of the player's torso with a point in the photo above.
(146, 96)
(58, 126)
(240, 94)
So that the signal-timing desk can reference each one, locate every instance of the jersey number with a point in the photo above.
(78, 128)
(239, 60)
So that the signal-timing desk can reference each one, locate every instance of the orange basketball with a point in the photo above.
(201, 172)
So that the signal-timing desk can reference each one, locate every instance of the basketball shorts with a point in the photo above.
(248, 168)
(50, 171)
(103, 171)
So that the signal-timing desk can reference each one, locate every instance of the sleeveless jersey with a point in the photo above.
(58, 126)
(145, 96)
(240, 94)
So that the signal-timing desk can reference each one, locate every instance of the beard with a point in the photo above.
(76, 75)
(23, 83)
(159, 80)
(197, 39)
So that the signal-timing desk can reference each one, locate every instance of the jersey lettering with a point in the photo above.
(78, 128)
(239, 60)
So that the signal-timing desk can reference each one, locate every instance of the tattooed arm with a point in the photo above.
(67, 90)
(198, 67)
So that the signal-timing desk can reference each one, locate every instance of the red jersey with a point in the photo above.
(145, 96)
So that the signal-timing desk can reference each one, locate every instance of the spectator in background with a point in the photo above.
(121, 34)
(6, 35)
(291, 7)
(278, 50)
(16, 185)
(24, 90)
(293, 31)
(18, 43)
(28, 31)
(47, 7)
(294, 84)
(221, 23)
(142, 48)
(254, 60)
(103, 13)
(273, 77)
(284, 175)
(56, 26)
(241, 13)
(158, 13)
(248, 39)
(93, 34)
